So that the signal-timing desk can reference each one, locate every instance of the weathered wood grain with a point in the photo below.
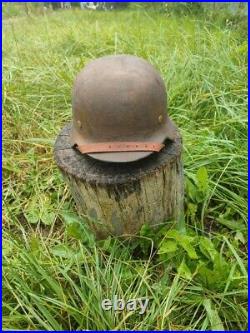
(118, 198)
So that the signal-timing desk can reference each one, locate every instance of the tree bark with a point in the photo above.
(118, 198)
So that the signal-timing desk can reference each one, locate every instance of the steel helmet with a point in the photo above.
(119, 110)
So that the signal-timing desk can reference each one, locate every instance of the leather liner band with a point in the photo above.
(106, 147)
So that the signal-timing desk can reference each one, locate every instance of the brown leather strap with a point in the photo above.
(105, 147)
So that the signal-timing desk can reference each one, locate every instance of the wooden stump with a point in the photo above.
(118, 198)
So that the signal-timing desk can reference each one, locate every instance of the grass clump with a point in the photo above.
(55, 277)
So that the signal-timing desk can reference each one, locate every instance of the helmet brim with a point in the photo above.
(168, 131)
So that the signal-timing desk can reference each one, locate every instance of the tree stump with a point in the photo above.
(118, 198)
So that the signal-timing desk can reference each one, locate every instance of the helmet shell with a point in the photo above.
(120, 98)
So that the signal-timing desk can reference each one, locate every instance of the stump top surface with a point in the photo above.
(83, 167)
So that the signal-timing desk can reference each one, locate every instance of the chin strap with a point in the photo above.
(111, 147)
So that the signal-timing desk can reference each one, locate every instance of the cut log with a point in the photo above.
(118, 198)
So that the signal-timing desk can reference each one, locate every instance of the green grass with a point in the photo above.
(55, 278)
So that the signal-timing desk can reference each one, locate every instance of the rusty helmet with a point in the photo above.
(119, 110)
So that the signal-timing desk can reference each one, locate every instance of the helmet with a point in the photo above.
(119, 110)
